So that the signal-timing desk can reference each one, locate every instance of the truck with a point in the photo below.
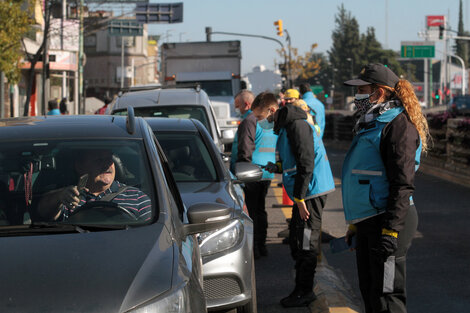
(215, 66)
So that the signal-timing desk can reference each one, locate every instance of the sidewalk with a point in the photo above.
(333, 291)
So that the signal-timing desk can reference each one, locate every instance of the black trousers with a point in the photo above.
(383, 285)
(304, 241)
(255, 199)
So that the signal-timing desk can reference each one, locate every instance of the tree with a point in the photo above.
(303, 67)
(461, 46)
(33, 59)
(345, 52)
(372, 52)
(15, 23)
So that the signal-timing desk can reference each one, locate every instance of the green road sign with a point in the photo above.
(125, 28)
(316, 89)
(410, 49)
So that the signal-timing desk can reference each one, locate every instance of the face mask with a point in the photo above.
(265, 124)
(362, 101)
(237, 112)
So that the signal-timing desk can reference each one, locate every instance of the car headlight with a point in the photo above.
(221, 239)
(176, 302)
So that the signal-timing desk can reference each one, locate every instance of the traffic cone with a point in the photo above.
(285, 198)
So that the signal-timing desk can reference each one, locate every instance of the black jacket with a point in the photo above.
(300, 136)
(246, 139)
(398, 145)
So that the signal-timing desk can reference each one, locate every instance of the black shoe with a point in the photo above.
(298, 299)
(263, 251)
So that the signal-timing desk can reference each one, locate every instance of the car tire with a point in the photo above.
(252, 306)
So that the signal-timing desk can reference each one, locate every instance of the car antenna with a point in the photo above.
(130, 120)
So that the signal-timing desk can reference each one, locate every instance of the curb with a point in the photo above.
(334, 293)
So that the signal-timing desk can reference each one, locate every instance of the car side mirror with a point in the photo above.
(247, 172)
(205, 217)
(228, 135)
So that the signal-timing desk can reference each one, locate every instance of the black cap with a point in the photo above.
(374, 74)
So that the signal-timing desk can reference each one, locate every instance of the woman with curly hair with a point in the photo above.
(378, 183)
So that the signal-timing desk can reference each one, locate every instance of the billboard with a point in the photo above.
(435, 20)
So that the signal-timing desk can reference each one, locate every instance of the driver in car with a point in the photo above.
(98, 166)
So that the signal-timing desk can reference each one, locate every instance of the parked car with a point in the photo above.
(173, 103)
(460, 104)
(100, 258)
(199, 171)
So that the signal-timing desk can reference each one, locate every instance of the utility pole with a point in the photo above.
(122, 62)
(81, 101)
(64, 73)
(45, 60)
(289, 68)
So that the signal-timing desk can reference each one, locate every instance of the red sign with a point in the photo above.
(435, 20)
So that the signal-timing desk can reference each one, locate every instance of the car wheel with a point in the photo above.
(251, 307)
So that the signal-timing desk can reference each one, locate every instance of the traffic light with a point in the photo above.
(326, 95)
(441, 31)
(278, 25)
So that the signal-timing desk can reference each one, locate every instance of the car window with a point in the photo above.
(35, 175)
(175, 111)
(215, 88)
(188, 156)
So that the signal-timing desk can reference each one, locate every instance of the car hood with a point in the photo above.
(199, 192)
(108, 271)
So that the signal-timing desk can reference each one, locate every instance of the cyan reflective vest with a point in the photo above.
(317, 109)
(322, 181)
(364, 181)
(265, 148)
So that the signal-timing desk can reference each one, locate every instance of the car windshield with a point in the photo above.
(216, 88)
(188, 156)
(174, 111)
(92, 182)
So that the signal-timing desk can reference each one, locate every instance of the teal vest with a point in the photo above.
(322, 181)
(365, 186)
(265, 148)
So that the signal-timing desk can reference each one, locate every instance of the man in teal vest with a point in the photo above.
(256, 144)
(317, 109)
(307, 179)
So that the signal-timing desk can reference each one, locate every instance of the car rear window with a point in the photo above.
(32, 172)
(215, 88)
(176, 111)
(188, 156)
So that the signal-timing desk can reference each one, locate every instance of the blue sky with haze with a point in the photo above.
(308, 22)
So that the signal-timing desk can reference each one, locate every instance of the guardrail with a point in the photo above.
(449, 153)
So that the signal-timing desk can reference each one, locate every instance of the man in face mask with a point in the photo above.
(307, 178)
(255, 143)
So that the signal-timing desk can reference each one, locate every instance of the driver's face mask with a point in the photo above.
(362, 101)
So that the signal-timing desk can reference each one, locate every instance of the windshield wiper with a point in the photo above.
(54, 227)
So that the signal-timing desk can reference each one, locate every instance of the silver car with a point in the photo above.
(200, 174)
(173, 103)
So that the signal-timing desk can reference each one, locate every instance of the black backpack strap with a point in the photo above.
(111, 196)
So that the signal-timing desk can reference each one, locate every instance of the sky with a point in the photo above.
(307, 21)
